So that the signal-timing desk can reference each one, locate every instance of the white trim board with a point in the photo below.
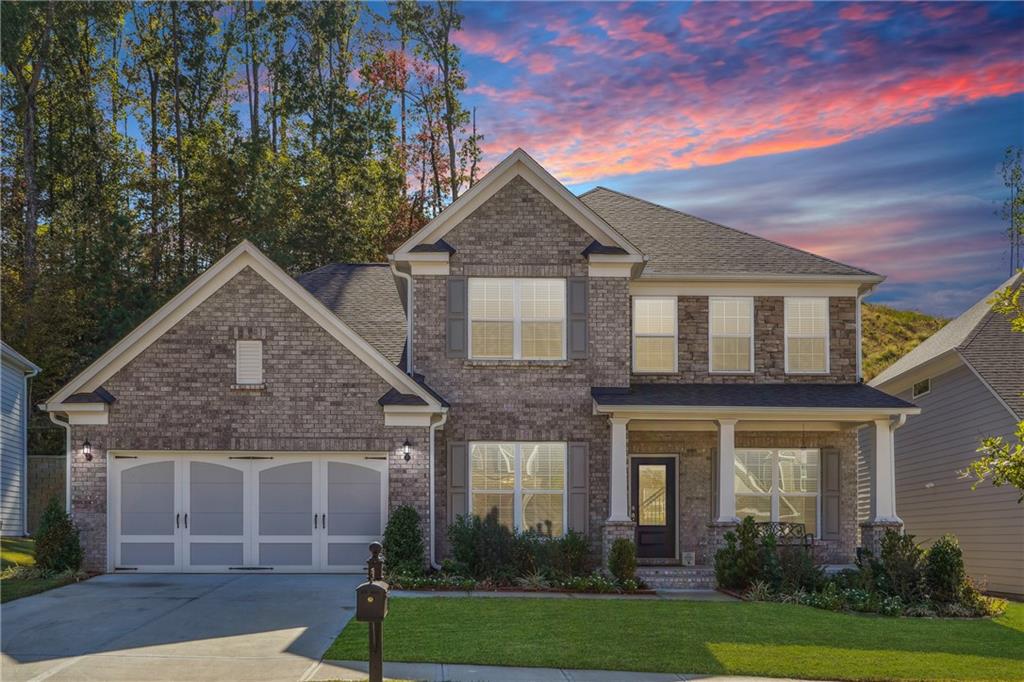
(242, 256)
(517, 164)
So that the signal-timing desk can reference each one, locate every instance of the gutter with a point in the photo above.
(430, 516)
(408, 314)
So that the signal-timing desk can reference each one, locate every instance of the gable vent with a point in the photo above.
(248, 362)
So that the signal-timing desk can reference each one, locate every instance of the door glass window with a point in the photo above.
(652, 493)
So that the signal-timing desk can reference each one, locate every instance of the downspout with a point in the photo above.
(408, 315)
(434, 426)
(67, 458)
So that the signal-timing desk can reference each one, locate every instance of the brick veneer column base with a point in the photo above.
(612, 532)
(871, 535)
(716, 538)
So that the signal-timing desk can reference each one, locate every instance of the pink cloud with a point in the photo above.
(865, 12)
(487, 43)
(798, 39)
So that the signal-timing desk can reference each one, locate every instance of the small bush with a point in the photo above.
(482, 548)
(622, 560)
(797, 570)
(901, 566)
(568, 555)
(738, 564)
(944, 575)
(57, 546)
(403, 542)
(759, 591)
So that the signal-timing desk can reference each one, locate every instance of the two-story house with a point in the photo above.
(594, 362)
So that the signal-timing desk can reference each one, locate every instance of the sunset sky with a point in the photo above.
(871, 133)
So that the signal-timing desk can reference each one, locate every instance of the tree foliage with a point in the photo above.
(143, 140)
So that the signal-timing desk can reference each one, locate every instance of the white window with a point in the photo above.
(654, 334)
(922, 387)
(779, 485)
(248, 363)
(807, 336)
(731, 329)
(523, 482)
(517, 318)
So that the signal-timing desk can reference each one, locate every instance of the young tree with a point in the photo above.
(1012, 210)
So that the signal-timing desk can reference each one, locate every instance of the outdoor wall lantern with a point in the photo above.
(405, 450)
(87, 450)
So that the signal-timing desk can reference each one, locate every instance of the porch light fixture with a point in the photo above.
(87, 450)
(405, 450)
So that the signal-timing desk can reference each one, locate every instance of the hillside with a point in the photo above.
(889, 334)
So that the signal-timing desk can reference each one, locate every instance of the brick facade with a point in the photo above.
(176, 396)
(769, 345)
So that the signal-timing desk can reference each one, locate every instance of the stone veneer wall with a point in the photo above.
(176, 396)
(519, 233)
(697, 532)
(769, 345)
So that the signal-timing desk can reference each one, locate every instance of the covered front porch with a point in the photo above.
(689, 461)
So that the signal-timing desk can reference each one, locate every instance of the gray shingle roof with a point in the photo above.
(985, 341)
(365, 297)
(680, 244)
(825, 396)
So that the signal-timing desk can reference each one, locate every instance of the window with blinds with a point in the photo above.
(248, 363)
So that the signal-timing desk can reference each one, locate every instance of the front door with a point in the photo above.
(653, 500)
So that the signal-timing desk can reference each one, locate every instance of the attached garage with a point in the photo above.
(245, 512)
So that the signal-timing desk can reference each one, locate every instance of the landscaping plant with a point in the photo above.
(622, 560)
(403, 543)
(944, 574)
(57, 546)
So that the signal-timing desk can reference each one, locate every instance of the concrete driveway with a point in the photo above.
(176, 627)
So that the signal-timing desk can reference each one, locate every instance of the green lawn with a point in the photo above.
(740, 638)
(21, 552)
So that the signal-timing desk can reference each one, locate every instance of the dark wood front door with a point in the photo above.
(653, 500)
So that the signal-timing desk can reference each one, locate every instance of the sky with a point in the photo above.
(869, 133)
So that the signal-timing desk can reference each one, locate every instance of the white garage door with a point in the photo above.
(246, 513)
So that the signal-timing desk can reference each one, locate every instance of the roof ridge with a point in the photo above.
(732, 229)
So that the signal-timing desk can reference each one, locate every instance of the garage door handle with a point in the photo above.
(323, 521)
(177, 520)
(186, 520)
(314, 521)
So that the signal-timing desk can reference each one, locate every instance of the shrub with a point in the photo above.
(568, 555)
(944, 575)
(482, 548)
(57, 545)
(798, 570)
(403, 542)
(900, 566)
(622, 560)
(759, 591)
(738, 564)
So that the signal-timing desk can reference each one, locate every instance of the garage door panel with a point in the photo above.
(216, 553)
(347, 553)
(152, 554)
(286, 554)
(145, 513)
(215, 501)
(356, 510)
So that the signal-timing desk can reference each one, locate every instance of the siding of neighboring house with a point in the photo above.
(12, 451)
(932, 499)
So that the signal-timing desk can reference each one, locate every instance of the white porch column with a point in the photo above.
(885, 474)
(726, 469)
(618, 489)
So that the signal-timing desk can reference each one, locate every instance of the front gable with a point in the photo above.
(517, 179)
(245, 267)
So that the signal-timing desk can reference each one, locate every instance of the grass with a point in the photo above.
(889, 334)
(741, 638)
(16, 552)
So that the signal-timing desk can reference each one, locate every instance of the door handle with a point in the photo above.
(186, 520)
(314, 521)
(323, 521)
(177, 520)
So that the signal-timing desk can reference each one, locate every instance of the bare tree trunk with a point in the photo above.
(154, 173)
(178, 161)
(476, 156)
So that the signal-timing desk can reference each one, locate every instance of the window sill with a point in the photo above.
(516, 363)
(248, 387)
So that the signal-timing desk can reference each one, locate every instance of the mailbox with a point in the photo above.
(372, 601)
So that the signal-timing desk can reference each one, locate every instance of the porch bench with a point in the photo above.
(785, 533)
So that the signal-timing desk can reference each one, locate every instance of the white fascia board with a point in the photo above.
(410, 415)
(701, 412)
(725, 276)
(719, 287)
(242, 256)
(940, 364)
(516, 164)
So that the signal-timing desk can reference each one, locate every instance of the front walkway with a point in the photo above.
(443, 672)
(176, 627)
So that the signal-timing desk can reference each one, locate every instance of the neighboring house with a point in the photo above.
(596, 363)
(14, 395)
(968, 379)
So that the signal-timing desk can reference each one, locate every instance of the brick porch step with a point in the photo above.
(677, 577)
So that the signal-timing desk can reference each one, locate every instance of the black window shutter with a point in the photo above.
(576, 288)
(457, 318)
(830, 484)
(578, 468)
(458, 480)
